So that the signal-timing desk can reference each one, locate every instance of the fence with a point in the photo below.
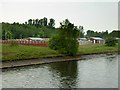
(43, 43)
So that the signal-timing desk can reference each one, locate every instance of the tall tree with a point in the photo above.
(33, 22)
(81, 31)
(36, 22)
(66, 39)
(51, 23)
(115, 33)
(41, 23)
(45, 21)
(90, 33)
(30, 21)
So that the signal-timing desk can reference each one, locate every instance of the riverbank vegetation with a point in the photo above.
(26, 52)
(97, 49)
(65, 41)
(45, 28)
(19, 52)
(111, 41)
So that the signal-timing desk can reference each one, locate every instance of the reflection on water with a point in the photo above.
(96, 71)
(67, 73)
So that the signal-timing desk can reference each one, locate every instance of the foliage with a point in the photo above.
(91, 33)
(44, 28)
(31, 29)
(110, 41)
(66, 40)
(51, 24)
(115, 33)
(30, 52)
(41, 22)
(81, 31)
(103, 34)
(54, 42)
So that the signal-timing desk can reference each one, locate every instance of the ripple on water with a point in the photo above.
(95, 71)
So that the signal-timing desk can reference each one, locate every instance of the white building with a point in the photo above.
(97, 40)
(83, 41)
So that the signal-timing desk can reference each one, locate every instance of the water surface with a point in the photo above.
(94, 71)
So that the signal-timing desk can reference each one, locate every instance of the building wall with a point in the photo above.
(27, 42)
(84, 42)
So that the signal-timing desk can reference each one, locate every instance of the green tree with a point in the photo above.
(115, 33)
(90, 33)
(30, 21)
(51, 24)
(33, 22)
(41, 22)
(45, 21)
(66, 40)
(36, 22)
(110, 41)
(8, 35)
(81, 31)
(104, 34)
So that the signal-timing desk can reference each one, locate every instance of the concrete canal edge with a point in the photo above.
(20, 63)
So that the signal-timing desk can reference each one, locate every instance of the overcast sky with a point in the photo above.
(98, 16)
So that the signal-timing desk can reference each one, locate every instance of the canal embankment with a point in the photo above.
(16, 56)
(19, 63)
(29, 62)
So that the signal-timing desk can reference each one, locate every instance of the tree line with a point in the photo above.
(103, 34)
(45, 28)
(32, 28)
(42, 22)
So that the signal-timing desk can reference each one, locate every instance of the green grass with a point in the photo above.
(26, 52)
(29, 52)
(96, 49)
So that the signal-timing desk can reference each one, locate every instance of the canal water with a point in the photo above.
(93, 71)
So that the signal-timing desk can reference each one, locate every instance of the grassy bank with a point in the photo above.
(97, 48)
(30, 52)
(26, 52)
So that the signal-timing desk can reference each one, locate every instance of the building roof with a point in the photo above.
(97, 38)
(35, 38)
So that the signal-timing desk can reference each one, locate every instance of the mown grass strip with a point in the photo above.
(19, 52)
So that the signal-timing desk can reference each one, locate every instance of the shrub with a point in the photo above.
(54, 43)
(65, 41)
(110, 41)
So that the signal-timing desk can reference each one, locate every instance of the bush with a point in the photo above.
(64, 47)
(65, 41)
(110, 41)
(54, 43)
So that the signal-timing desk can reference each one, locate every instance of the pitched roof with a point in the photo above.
(97, 38)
